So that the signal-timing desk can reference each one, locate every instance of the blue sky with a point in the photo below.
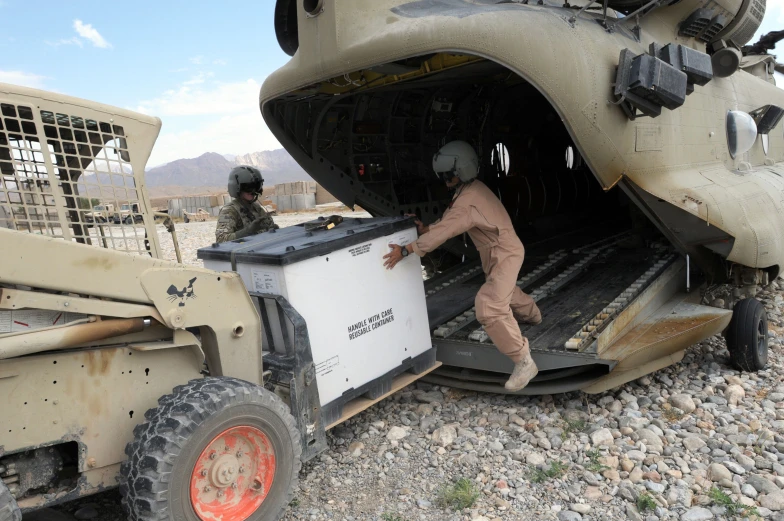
(197, 65)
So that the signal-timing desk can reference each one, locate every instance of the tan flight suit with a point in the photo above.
(499, 302)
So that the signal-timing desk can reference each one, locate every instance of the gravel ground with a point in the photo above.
(695, 441)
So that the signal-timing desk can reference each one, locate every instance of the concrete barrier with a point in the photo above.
(303, 201)
(284, 203)
(324, 197)
(295, 196)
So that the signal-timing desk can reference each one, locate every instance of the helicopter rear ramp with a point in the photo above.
(611, 313)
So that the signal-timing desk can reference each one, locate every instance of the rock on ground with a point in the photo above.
(602, 437)
(697, 514)
(774, 501)
(683, 402)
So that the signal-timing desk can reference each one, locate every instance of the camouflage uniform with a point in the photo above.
(237, 215)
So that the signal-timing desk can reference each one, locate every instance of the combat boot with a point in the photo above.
(524, 371)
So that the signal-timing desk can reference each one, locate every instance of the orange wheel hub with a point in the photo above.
(233, 475)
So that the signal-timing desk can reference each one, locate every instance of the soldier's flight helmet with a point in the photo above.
(245, 179)
(457, 158)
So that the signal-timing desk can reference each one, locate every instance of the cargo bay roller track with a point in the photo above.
(373, 148)
(580, 291)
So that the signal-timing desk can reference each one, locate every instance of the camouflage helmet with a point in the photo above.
(245, 179)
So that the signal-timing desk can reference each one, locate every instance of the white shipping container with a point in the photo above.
(363, 320)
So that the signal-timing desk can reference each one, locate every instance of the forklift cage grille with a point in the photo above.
(70, 172)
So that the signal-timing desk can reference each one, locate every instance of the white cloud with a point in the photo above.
(197, 60)
(199, 78)
(69, 41)
(25, 79)
(234, 134)
(200, 99)
(90, 33)
(219, 62)
(229, 119)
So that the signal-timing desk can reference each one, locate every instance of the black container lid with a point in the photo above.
(295, 243)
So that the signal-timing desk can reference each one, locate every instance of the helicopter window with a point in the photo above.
(573, 158)
(499, 158)
(313, 7)
(741, 132)
(765, 143)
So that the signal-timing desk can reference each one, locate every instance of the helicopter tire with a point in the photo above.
(747, 335)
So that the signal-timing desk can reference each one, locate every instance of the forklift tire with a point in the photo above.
(747, 335)
(9, 510)
(216, 448)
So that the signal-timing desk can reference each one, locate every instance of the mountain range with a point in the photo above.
(208, 173)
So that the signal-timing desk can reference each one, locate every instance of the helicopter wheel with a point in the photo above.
(747, 335)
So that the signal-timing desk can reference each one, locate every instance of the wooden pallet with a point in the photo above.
(358, 405)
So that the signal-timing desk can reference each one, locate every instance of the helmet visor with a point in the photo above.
(445, 166)
(253, 187)
(447, 175)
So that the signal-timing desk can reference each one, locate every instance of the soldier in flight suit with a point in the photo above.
(475, 209)
(243, 216)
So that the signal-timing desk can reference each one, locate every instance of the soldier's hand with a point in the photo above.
(255, 226)
(394, 256)
(421, 228)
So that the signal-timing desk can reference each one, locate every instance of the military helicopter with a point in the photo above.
(636, 144)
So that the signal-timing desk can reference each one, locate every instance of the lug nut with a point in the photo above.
(204, 473)
(220, 493)
(206, 489)
(242, 469)
(213, 455)
(239, 453)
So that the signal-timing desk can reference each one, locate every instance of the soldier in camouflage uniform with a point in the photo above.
(243, 216)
